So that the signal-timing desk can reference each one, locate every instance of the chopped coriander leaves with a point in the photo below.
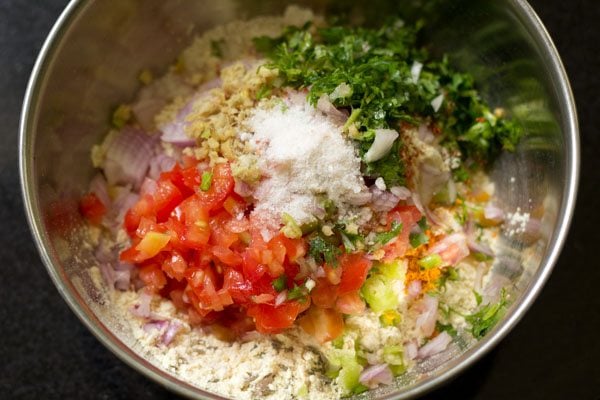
(368, 72)
(263, 92)
(206, 181)
(323, 251)
(280, 284)
(297, 293)
(384, 237)
(446, 328)
(487, 317)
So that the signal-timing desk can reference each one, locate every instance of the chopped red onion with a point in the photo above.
(149, 186)
(435, 345)
(251, 336)
(359, 199)
(400, 192)
(384, 139)
(493, 213)
(142, 309)
(319, 212)
(99, 187)
(320, 272)
(156, 325)
(326, 107)
(382, 201)
(452, 248)
(172, 331)
(478, 247)
(414, 289)
(127, 157)
(122, 280)
(242, 188)
(281, 298)
(108, 273)
(159, 164)
(411, 350)
(375, 375)
(145, 108)
(428, 313)
(104, 253)
(174, 133)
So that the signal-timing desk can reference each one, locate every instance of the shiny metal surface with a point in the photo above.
(90, 63)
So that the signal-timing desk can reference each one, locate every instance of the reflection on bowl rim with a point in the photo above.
(567, 107)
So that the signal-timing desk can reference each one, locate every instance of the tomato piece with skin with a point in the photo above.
(271, 319)
(324, 294)
(166, 197)
(143, 208)
(221, 185)
(92, 208)
(196, 231)
(251, 268)
(324, 324)
(354, 272)
(226, 256)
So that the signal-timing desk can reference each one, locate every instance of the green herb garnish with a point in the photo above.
(323, 251)
(297, 293)
(484, 320)
(384, 237)
(372, 73)
(280, 284)
(446, 328)
(206, 181)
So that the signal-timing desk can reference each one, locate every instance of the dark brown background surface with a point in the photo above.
(554, 352)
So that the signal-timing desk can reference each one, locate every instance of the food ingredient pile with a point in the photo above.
(300, 210)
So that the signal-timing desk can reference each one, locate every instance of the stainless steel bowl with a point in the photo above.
(89, 64)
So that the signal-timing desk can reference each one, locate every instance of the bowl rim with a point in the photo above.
(566, 103)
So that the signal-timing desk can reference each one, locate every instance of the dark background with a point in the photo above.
(554, 352)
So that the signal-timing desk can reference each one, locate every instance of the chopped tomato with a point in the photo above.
(408, 216)
(166, 198)
(354, 272)
(324, 294)
(175, 266)
(143, 208)
(151, 244)
(153, 277)
(92, 208)
(234, 205)
(226, 256)
(350, 303)
(221, 185)
(274, 319)
(324, 324)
